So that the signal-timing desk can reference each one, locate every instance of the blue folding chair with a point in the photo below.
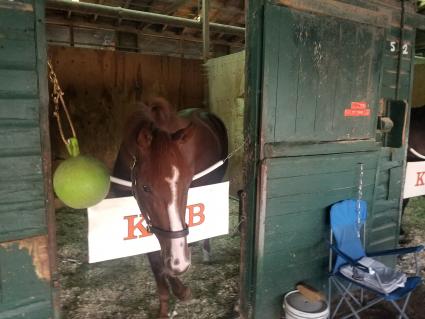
(354, 268)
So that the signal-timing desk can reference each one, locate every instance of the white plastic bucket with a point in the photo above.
(298, 307)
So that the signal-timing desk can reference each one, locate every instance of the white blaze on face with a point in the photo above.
(179, 260)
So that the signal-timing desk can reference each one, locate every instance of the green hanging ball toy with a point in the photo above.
(80, 181)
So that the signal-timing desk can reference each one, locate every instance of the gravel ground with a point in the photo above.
(125, 288)
(414, 221)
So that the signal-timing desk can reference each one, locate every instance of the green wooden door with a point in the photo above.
(322, 67)
(25, 275)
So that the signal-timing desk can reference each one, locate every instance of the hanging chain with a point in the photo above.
(57, 97)
(359, 198)
(235, 150)
(356, 274)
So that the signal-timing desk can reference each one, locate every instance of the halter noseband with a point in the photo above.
(169, 234)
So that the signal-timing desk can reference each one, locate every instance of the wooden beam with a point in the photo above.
(133, 15)
(145, 25)
(96, 15)
(111, 27)
(126, 5)
(205, 29)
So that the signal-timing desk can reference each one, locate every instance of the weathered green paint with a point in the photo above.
(253, 82)
(22, 212)
(315, 67)
(23, 293)
(317, 58)
(299, 192)
(25, 287)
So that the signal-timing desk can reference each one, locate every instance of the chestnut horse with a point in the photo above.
(161, 152)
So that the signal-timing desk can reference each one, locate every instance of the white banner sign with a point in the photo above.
(117, 228)
(415, 179)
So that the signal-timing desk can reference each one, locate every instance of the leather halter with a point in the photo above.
(169, 234)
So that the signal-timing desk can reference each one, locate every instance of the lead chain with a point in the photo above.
(57, 96)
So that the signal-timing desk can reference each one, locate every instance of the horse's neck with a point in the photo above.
(208, 140)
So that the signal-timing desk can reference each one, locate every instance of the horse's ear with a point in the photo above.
(144, 138)
(184, 134)
(161, 111)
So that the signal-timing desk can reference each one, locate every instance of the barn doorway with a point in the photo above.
(106, 65)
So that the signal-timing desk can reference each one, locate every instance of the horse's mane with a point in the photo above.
(161, 110)
(158, 111)
(155, 116)
(135, 123)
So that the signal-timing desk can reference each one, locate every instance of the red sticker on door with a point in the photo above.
(359, 105)
(357, 109)
(351, 112)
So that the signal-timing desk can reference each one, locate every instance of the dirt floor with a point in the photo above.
(414, 224)
(125, 288)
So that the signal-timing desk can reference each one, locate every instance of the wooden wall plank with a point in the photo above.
(17, 54)
(302, 166)
(19, 140)
(22, 210)
(18, 83)
(271, 40)
(32, 222)
(313, 184)
(102, 88)
(287, 205)
(390, 63)
(18, 191)
(18, 112)
(20, 168)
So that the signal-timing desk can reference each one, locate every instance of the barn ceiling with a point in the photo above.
(226, 12)
(82, 28)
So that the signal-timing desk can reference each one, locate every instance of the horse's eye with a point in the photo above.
(147, 189)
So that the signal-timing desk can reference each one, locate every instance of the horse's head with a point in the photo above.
(162, 176)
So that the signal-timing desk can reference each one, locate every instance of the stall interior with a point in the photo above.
(107, 66)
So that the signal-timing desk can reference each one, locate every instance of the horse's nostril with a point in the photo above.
(176, 262)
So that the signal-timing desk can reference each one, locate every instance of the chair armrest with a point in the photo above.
(351, 261)
(399, 251)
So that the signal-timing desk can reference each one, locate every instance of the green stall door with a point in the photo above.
(321, 80)
(321, 77)
(25, 290)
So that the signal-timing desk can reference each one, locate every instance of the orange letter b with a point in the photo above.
(197, 211)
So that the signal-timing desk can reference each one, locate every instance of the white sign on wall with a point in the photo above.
(415, 179)
(117, 228)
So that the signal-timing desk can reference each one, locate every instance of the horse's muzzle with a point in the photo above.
(178, 264)
(177, 267)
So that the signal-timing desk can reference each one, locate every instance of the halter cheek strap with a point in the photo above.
(169, 234)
